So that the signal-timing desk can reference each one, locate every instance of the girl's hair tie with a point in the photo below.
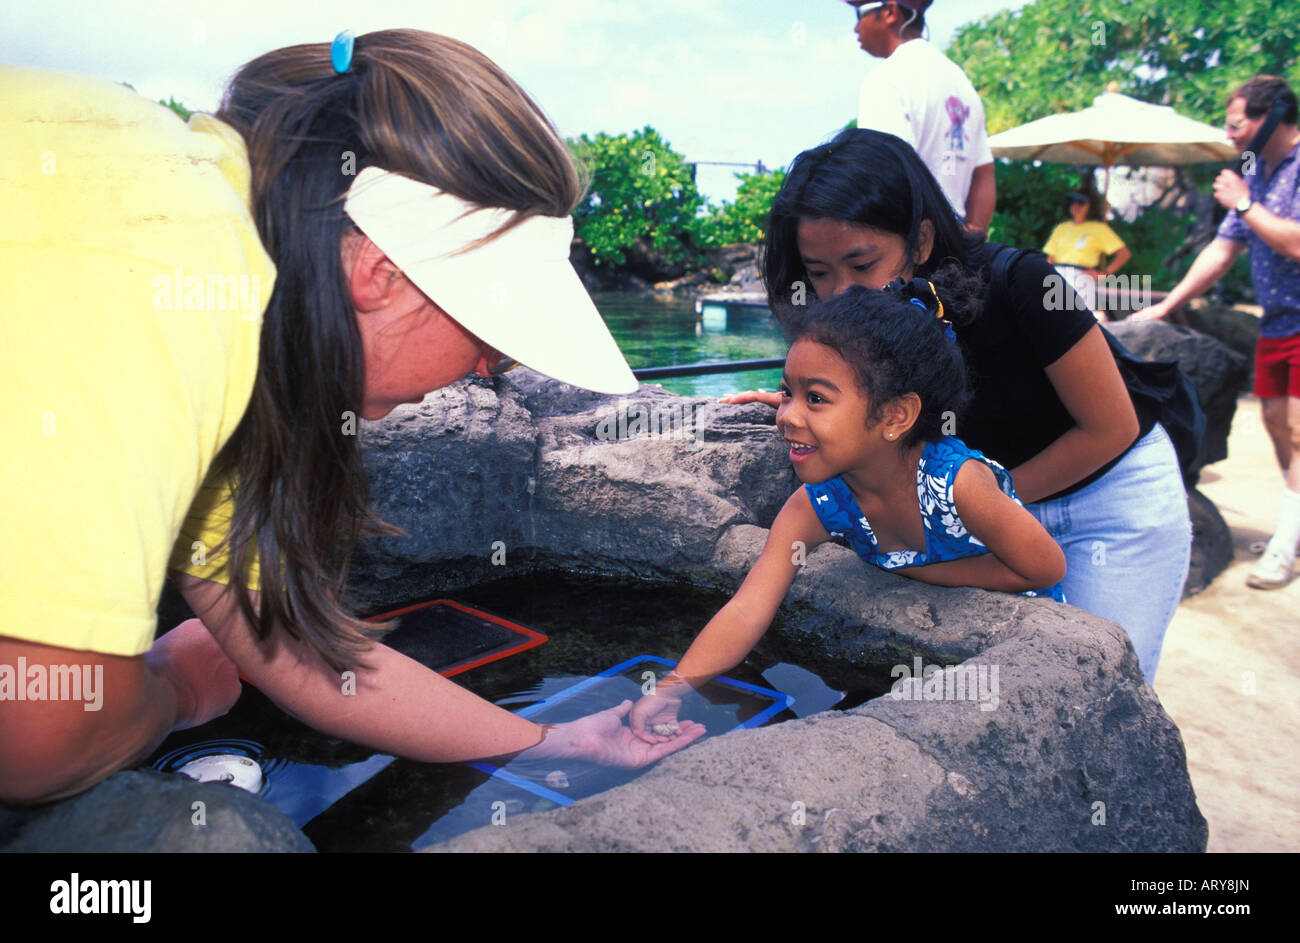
(341, 51)
(938, 302)
(921, 292)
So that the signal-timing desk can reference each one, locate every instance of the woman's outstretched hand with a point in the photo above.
(752, 396)
(603, 738)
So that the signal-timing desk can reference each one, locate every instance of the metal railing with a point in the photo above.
(702, 369)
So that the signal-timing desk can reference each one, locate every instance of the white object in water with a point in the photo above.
(712, 316)
(557, 780)
(232, 768)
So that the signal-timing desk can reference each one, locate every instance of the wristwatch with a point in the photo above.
(1244, 204)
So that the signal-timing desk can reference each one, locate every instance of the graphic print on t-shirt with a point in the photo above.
(957, 113)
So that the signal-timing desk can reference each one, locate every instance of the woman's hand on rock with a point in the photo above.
(1155, 312)
(752, 396)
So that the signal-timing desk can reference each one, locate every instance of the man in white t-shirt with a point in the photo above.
(922, 96)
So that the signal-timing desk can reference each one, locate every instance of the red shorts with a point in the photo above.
(1277, 367)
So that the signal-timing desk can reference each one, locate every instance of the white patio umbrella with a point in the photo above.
(1117, 129)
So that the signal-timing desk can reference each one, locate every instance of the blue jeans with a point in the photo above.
(1127, 539)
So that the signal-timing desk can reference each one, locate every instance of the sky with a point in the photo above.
(721, 80)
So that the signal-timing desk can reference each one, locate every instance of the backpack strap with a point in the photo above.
(1004, 258)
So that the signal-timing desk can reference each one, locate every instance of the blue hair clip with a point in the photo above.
(947, 325)
(341, 51)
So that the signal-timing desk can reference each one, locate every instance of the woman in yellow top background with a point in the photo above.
(1078, 245)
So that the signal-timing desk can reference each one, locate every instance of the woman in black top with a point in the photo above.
(1048, 401)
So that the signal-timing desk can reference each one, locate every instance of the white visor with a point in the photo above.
(517, 293)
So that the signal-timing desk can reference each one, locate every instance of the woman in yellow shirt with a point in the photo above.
(198, 315)
(1078, 245)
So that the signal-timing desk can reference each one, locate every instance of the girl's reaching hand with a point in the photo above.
(651, 711)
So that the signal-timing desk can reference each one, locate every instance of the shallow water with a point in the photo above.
(349, 798)
(660, 333)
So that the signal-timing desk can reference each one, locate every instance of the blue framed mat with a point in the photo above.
(722, 705)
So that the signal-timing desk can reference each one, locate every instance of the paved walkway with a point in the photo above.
(1229, 673)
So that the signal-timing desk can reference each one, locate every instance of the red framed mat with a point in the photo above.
(451, 637)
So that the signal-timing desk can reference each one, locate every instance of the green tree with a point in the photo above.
(1052, 56)
(641, 192)
(745, 219)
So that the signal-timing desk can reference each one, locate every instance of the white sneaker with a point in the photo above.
(1273, 571)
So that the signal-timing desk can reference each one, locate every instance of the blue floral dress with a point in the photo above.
(946, 538)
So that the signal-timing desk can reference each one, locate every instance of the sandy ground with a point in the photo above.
(1229, 672)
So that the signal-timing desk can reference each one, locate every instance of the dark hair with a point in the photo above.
(1259, 94)
(437, 111)
(1078, 196)
(863, 177)
(896, 344)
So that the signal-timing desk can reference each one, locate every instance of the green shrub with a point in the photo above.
(745, 219)
(639, 188)
(1031, 201)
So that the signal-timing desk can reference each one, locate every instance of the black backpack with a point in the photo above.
(1158, 388)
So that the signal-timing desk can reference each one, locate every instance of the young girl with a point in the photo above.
(1048, 401)
(870, 381)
